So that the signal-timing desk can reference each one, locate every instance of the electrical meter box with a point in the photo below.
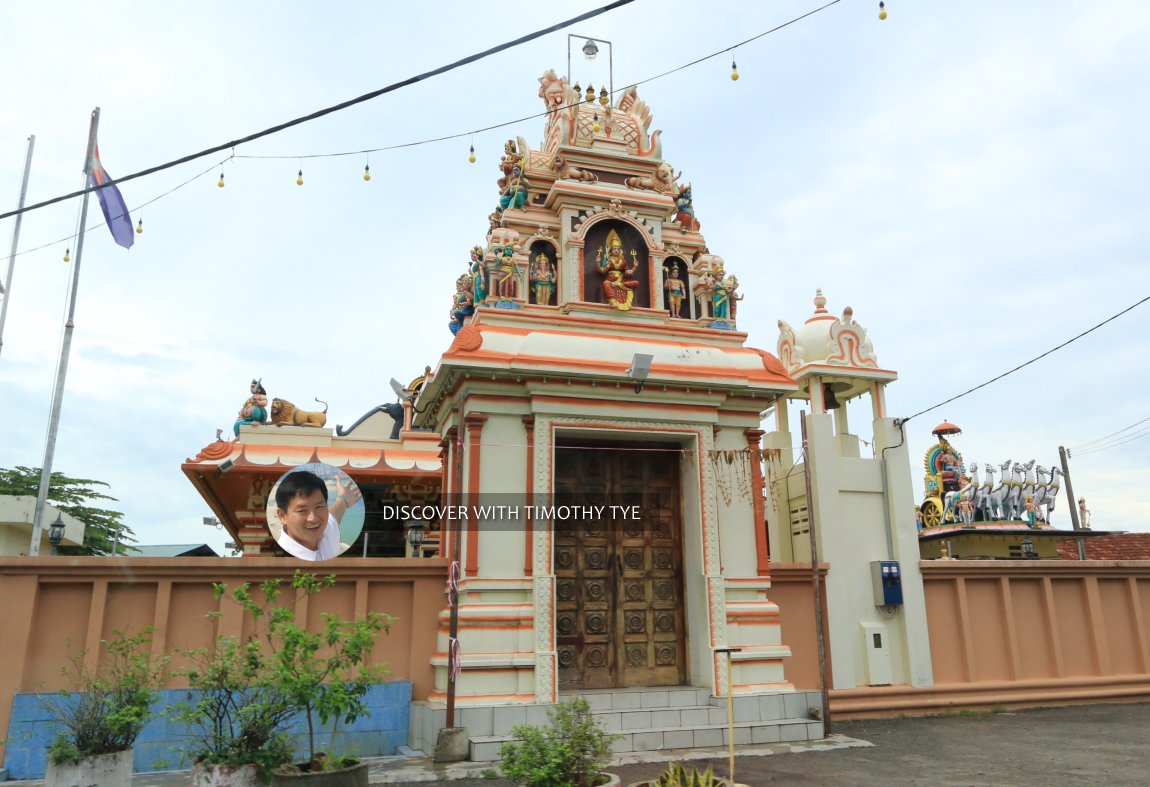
(886, 580)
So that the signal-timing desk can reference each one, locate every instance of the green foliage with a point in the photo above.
(677, 775)
(105, 530)
(323, 674)
(238, 713)
(568, 753)
(111, 704)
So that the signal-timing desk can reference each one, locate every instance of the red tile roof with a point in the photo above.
(1127, 546)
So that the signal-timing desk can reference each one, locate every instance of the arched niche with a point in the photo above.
(536, 271)
(686, 307)
(632, 240)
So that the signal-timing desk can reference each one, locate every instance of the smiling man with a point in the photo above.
(310, 525)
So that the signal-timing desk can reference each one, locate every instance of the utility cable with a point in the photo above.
(1091, 443)
(334, 108)
(1032, 360)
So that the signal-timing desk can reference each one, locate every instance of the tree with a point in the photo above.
(105, 530)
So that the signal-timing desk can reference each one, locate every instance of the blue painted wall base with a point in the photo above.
(163, 743)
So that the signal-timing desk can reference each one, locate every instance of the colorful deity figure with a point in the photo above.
(542, 277)
(506, 281)
(733, 297)
(685, 210)
(462, 303)
(478, 271)
(1031, 511)
(676, 290)
(720, 295)
(966, 510)
(514, 193)
(255, 408)
(508, 162)
(618, 286)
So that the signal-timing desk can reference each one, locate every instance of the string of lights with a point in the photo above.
(395, 86)
(139, 228)
(233, 144)
(1032, 360)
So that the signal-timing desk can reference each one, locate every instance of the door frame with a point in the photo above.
(703, 590)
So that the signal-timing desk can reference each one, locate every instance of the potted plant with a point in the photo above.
(321, 675)
(568, 753)
(678, 775)
(102, 718)
(236, 714)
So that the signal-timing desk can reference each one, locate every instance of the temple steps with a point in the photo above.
(676, 717)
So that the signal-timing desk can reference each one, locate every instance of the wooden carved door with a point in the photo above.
(619, 600)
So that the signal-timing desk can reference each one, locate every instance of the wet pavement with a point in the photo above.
(1082, 745)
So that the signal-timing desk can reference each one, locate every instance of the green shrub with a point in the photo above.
(568, 753)
(111, 704)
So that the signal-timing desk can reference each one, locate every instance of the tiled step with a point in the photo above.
(684, 717)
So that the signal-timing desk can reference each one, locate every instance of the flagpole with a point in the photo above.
(65, 347)
(6, 291)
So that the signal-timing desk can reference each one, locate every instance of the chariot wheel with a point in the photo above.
(931, 513)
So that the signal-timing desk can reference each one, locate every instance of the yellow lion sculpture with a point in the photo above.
(284, 413)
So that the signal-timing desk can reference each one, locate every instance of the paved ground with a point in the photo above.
(1085, 745)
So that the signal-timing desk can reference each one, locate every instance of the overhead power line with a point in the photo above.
(1091, 443)
(329, 110)
(1032, 360)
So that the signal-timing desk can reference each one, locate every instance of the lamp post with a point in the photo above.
(590, 50)
(415, 537)
(56, 533)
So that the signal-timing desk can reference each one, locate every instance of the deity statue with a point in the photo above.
(618, 287)
(508, 162)
(478, 272)
(506, 281)
(462, 304)
(685, 210)
(676, 289)
(542, 277)
(255, 408)
(733, 297)
(514, 193)
(1031, 511)
(721, 295)
(966, 510)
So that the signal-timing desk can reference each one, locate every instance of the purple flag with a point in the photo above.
(112, 203)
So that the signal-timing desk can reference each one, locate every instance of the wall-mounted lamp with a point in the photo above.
(415, 537)
(1028, 552)
(226, 466)
(56, 533)
(640, 368)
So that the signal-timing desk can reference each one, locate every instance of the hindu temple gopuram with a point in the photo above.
(597, 415)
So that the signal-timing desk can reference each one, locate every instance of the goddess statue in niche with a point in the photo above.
(676, 288)
(542, 277)
(618, 286)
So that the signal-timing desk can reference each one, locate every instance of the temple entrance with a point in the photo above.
(619, 608)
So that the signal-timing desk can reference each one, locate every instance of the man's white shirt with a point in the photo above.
(328, 545)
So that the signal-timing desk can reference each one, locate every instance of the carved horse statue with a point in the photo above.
(982, 496)
(1012, 504)
(1028, 485)
(998, 496)
(1051, 494)
(1040, 488)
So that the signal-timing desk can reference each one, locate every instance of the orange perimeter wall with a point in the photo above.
(1025, 633)
(57, 608)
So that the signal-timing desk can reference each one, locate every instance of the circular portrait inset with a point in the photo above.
(315, 512)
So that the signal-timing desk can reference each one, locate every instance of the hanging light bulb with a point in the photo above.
(366, 172)
(299, 178)
(881, 9)
(471, 156)
(68, 255)
(734, 71)
(604, 99)
(140, 226)
(595, 126)
(221, 181)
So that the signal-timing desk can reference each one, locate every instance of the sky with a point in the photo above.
(971, 178)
